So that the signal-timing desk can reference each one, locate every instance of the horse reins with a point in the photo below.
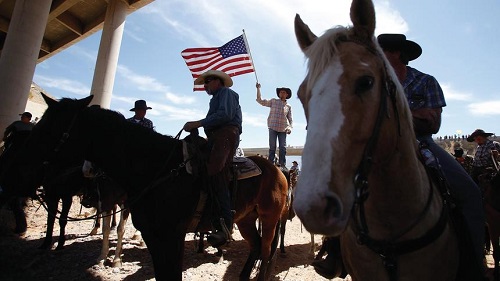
(388, 249)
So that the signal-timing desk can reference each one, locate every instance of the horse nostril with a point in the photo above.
(333, 207)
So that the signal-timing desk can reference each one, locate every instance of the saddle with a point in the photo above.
(244, 168)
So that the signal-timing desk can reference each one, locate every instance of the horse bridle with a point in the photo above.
(388, 249)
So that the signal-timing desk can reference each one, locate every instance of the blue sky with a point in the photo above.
(459, 38)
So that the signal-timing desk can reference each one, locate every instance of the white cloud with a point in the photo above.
(149, 84)
(451, 94)
(485, 108)
(166, 112)
(254, 120)
(63, 84)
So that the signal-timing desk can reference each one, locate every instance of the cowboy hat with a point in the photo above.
(459, 152)
(27, 114)
(294, 162)
(287, 90)
(228, 82)
(478, 132)
(140, 104)
(398, 42)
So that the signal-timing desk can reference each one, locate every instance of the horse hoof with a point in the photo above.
(116, 264)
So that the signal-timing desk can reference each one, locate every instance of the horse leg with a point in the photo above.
(117, 261)
(249, 232)
(313, 245)
(113, 221)
(487, 240)
(269, 242)
(106, 229)
(51, 217)
(282, 233)
(19, 215)
(63, 221)
(201, 244)
(97, 223)
(166, 250)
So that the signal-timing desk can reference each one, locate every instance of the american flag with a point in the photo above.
(232, 58)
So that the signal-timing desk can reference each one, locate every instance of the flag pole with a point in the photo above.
(250, 54)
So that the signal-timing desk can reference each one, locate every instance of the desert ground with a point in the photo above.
(20, 258)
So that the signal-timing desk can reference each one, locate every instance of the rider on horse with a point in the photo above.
(223, 128)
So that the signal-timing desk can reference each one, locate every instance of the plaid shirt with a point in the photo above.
(422, 90)
(280, 117)
(145, 122)
(482, 158)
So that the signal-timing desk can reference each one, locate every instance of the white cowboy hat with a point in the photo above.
(228, 82)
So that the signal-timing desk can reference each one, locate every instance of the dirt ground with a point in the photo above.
(20, 258)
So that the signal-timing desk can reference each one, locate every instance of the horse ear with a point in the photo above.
(86, 101)
(304, 35)
(363, 18)
(49, 101)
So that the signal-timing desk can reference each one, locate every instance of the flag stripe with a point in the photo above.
(232, 58)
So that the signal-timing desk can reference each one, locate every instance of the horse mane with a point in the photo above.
(324, 49)
(115, 118)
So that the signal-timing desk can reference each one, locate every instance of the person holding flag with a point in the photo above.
(279, 121)
(222, 126)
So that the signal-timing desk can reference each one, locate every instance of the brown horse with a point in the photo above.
(361, 177)
(150, 167)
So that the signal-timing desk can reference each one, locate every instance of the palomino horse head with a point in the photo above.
(356, 111)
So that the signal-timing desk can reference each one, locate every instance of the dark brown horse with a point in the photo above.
(150, 167)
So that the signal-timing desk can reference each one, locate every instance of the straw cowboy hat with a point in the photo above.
(140, 104)
(476, 133)
(398, 42)
(228, 82)
(287, 90)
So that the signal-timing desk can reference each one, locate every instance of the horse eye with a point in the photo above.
(363, 84)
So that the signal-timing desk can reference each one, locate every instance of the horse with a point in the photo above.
(151, 168)
(490, 184)
(291, 176)
(62, 183)
(362, 177)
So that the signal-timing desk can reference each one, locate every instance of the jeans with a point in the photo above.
(466, 193)
(281, 136)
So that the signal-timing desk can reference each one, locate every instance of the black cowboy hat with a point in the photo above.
(459, 152)
(478, 132)
(295, 162)
(398, 42)
(27, 114)
(140, 104)
(287, 90)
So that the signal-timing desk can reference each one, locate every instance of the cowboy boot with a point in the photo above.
(332, 266)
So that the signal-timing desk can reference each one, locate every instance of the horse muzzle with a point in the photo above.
(320, 212)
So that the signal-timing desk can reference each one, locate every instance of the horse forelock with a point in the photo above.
(321, 53)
